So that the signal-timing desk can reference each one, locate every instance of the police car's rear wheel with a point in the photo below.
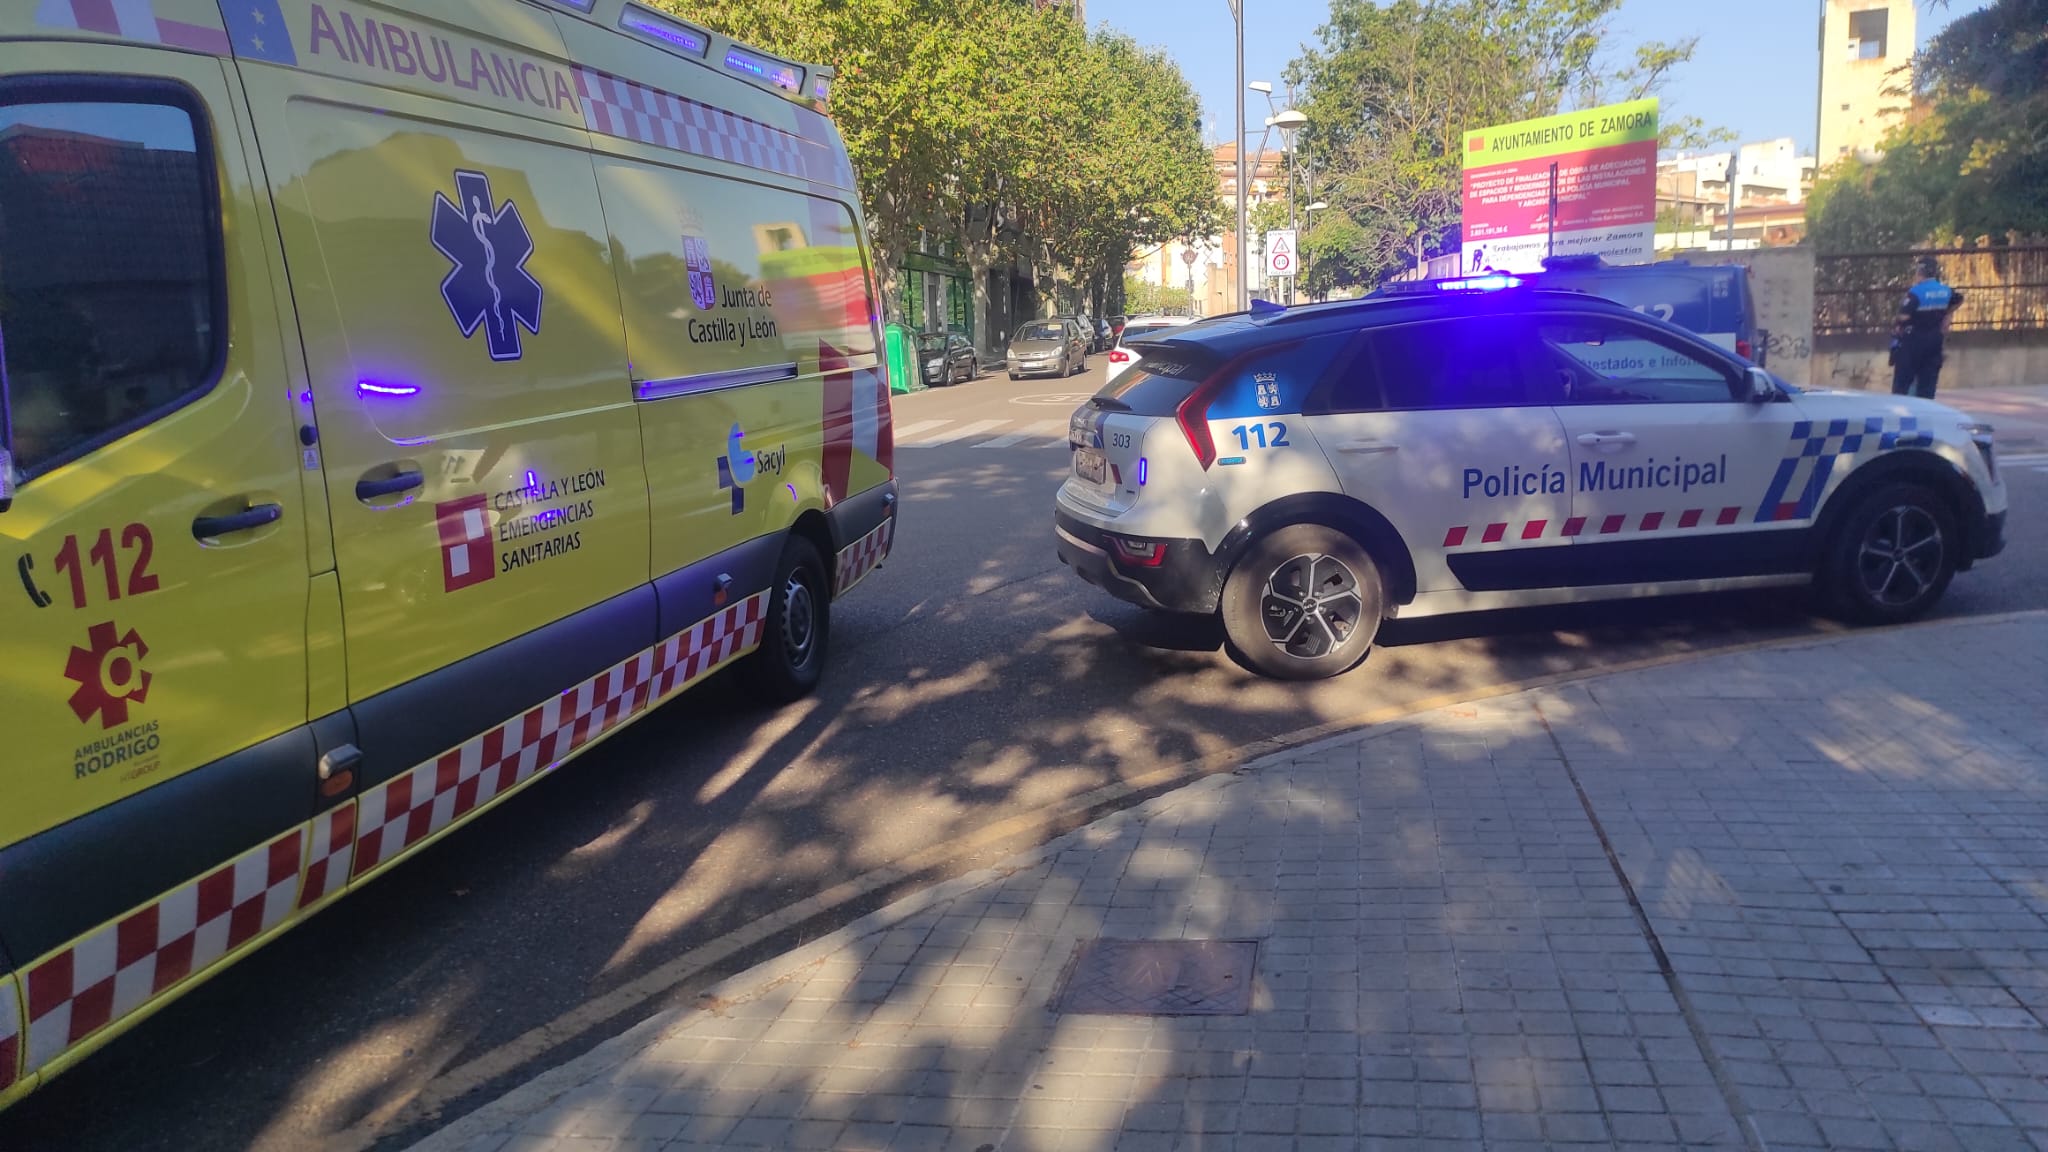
(791, 658)
(1894, 556)
(1302, 604)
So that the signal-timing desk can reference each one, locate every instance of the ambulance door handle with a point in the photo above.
(1595, 439)
(255, 516)
(404, 481)
(1366, 447)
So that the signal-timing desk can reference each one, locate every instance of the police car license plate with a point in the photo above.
(1090, 466)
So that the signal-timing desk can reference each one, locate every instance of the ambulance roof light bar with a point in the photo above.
(667, 32)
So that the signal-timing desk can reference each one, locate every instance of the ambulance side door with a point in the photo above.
(154, 616)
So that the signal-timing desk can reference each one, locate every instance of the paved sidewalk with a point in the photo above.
(1833, 933)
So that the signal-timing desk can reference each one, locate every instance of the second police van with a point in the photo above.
(1306, 473)
(399, 398)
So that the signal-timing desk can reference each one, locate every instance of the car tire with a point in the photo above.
(1265, 627)
(796, 629)
(1013, 375)
(1892, 557)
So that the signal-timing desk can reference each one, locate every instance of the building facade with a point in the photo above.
(1866, 54)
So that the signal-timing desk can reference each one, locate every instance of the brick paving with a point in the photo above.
(1833, 933)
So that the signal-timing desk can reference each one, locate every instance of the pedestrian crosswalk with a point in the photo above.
(982, 433)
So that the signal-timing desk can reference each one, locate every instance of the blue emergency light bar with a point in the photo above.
(1492, 283)
(775, 72)
(673, 34)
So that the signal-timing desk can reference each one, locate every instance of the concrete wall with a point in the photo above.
(1974, 360)
(1782, 279)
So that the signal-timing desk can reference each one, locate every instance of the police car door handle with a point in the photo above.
(1366, 447)
(254, 516)
(1595, 439)
(404, 481)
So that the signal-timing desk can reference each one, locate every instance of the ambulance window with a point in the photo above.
(109, 265)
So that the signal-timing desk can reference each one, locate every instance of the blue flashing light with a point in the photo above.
(781, 75)
(1490, 283)
(1231, 460)
(679, 36)
(373, 388)
(532, 479)
(1144, 470)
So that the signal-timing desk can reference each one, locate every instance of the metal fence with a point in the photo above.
(2004, 288)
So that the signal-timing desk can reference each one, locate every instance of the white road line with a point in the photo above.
(975, 429)
(904, 433)
(1044, 428)
(2023, 459)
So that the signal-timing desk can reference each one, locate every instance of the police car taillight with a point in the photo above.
(1193, 418)
(1742, 348)
(1119, 356)
(1142, 553)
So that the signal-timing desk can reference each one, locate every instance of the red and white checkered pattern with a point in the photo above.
(10, 1034)
(859, 558)
(689, 655)
(1689, 518)
(103, 976)
(618, 107)
(402, 813)
(333, 838)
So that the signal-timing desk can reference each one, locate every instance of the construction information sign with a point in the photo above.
(1606, 188)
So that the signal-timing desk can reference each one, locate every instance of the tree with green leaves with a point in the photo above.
(1970, 158)
(1001, 129)
(1391, 89)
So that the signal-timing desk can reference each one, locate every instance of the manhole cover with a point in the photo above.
(1161, 978)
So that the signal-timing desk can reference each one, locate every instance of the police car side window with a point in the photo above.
(1607, 362)
(110, 305)
(1469, 362)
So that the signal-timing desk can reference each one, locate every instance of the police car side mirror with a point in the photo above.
(1762, 389)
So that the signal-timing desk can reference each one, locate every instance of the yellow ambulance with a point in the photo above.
(399, 397)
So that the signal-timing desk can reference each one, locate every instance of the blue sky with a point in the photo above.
(1756, 69)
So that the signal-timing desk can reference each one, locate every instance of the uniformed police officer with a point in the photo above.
(1918, 333)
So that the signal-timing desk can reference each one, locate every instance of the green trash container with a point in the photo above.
(903, 376)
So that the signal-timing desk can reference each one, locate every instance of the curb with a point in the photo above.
(1173, 783)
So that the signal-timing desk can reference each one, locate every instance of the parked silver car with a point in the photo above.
(1048, 348)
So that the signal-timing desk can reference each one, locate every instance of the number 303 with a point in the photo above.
(1247, 433)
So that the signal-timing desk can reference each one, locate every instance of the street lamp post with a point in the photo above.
(1289, 122)
(1243, 293)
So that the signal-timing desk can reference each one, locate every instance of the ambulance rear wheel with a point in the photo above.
(791, 658)
(1304, 603)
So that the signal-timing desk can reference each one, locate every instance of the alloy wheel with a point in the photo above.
(1311, 605)
(1901, 555)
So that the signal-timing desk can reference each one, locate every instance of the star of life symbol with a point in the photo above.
(109, 675)
(489, 286)
(1269, 389)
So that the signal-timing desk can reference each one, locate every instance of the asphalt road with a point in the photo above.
(973, 679)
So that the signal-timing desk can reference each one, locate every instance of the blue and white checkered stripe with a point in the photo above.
(1823, 447)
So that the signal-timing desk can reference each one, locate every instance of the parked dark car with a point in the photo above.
(1105, 336)
(946, 357)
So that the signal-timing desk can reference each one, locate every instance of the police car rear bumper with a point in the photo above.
(1185, 579)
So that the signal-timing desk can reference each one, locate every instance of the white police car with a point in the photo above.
(1306, 473)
